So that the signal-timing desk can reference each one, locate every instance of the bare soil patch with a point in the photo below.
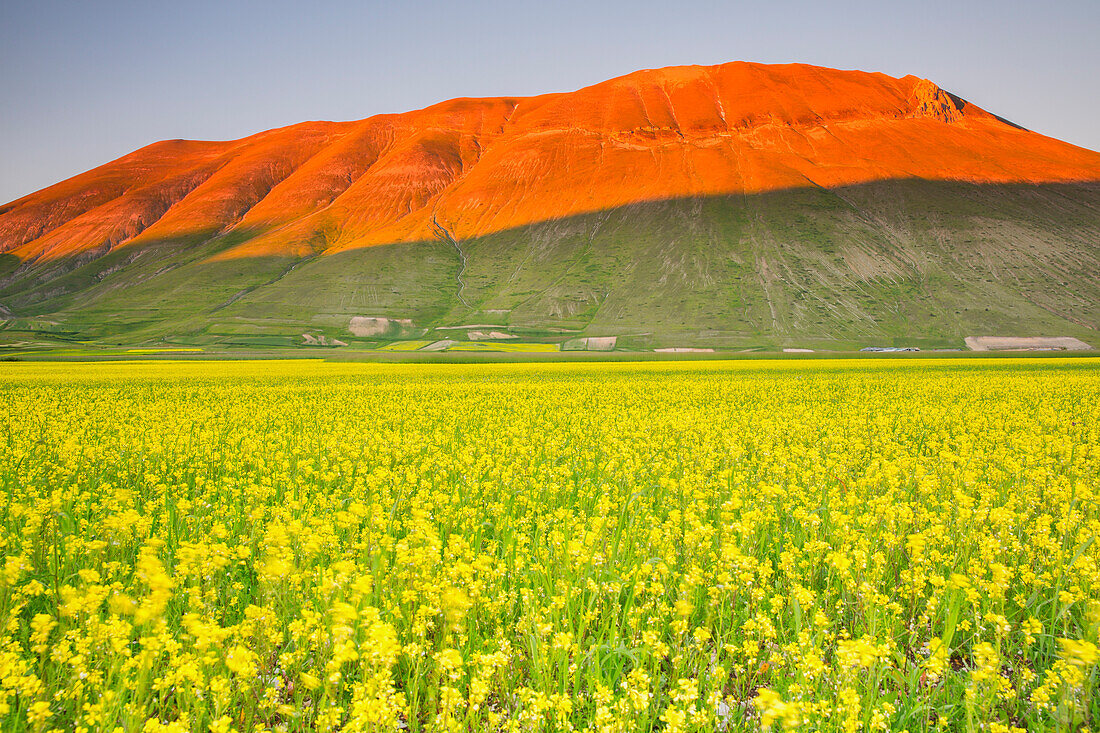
(1025, 343)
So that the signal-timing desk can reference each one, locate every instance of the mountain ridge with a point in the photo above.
(477, 168)
(925, 100)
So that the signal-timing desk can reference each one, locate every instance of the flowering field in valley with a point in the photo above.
(705, 546)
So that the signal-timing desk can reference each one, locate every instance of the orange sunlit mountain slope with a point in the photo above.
(733, 206)
(471, 167)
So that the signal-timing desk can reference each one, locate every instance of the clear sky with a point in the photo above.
(82, 83)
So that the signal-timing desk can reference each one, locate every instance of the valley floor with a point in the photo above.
(830, 545)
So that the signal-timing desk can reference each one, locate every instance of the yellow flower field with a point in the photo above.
(704, 546)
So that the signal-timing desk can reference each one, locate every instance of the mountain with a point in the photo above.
(733, 205)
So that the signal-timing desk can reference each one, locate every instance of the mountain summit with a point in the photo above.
(733, 204)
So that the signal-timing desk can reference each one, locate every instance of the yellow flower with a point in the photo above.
(224, 724)
(773, 709)
(241, 661)
(1079, 653)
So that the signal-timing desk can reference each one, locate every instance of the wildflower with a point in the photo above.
(773, 710)
(1079, 653)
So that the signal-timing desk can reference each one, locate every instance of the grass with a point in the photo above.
(916, 262)
(672, 546)
(405, 345)
(508, 347)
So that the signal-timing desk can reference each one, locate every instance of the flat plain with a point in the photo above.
(676, 546)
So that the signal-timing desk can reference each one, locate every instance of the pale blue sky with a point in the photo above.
(85, 82)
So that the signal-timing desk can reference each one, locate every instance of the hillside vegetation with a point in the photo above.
(740, 205)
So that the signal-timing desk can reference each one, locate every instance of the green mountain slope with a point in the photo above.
(892, 262)
(733, 206)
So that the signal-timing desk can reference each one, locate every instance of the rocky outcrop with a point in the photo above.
(929, 100)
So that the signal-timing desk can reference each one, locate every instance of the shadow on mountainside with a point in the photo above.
(895, 259)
